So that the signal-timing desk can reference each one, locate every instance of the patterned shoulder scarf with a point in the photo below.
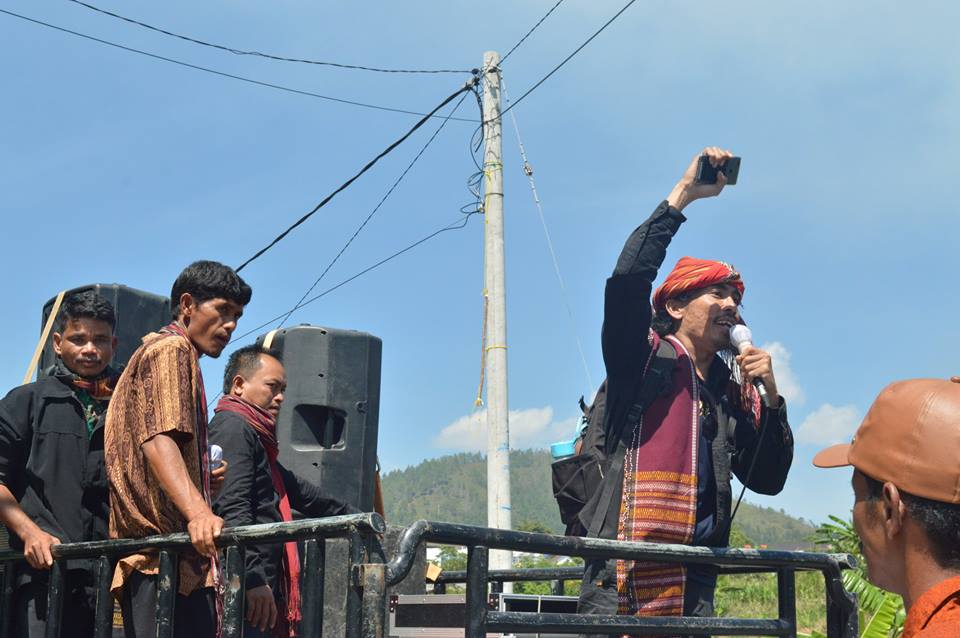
(659, 500)
(265, 425)
(93, 394)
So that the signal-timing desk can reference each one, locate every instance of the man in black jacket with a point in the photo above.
(53, 488)
(257, 489)
(725, 428)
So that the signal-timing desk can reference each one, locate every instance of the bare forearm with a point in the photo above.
(12, 516)
(36, 542)
(167, 464)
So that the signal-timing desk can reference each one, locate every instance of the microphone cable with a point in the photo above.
(764, 418)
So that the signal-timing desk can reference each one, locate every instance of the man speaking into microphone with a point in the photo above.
(682, 411)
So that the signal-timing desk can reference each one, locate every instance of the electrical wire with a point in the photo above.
(528, 171)
(453, 226)
(232, 76)
(521, 41)
(363, 170)
(269, 56)
(567, 59)
(378, 206)
(450, 227)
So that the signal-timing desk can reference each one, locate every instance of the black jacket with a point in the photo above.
(51, 464)
(247, 496)
(729, 440)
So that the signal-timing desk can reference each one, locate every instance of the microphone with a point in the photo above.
(741, 338)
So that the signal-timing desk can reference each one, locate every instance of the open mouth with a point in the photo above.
(726, 322)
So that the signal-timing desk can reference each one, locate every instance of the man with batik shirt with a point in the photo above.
(52, 484)
(157, 452)
(258, 489)
(671, 480)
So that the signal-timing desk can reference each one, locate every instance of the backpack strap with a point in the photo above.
(655, 381)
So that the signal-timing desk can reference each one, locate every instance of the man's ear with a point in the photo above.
(57, 340)
(893, 509)
(186, 306)
(675, 308)
(236, 386)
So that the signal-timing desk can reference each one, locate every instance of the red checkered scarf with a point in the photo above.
(265, 425)
(659, 500)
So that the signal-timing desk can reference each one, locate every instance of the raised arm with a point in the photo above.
(627, 314)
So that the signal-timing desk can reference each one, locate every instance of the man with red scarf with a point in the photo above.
(669, 458)
(258, 489)
(52, 484)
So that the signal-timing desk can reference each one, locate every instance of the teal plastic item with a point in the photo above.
(563, 449)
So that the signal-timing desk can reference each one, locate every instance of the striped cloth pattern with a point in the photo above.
(659, 499)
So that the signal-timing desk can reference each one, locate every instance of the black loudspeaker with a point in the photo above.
(138, 313)
(327, 427)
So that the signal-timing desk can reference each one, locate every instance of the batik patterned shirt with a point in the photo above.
(158, 393)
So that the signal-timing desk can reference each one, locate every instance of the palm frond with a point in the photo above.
(883, 622)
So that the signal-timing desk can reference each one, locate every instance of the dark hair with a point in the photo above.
(85, 305)
(940, 521)
(206, 280)
(244, 361)
(662, 323)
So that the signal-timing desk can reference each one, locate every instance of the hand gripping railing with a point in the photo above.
(314, 532)
(841, 606)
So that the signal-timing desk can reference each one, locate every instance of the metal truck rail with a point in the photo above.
(370, 573)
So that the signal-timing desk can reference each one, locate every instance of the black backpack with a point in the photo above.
(577, 480)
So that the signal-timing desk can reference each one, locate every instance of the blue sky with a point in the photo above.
(117, 167)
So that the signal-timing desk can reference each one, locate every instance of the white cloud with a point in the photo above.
(787, 383)
(829, 424)
(534, 427)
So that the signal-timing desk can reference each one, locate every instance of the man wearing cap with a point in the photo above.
(667, 475)
(906, 487)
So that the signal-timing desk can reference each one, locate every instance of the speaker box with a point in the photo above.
(327, 426)
(138, 313)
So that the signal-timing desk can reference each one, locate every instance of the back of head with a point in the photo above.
(911, 438)
(206, 280)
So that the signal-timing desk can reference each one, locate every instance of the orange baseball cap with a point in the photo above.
(910, 437)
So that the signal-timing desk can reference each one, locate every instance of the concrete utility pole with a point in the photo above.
(498, 427)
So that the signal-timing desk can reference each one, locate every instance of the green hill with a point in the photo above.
(453, 488)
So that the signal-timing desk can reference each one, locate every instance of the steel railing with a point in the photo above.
(369, 574)
(842, 621)
(314, 532)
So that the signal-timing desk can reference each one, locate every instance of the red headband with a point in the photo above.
(692, 274)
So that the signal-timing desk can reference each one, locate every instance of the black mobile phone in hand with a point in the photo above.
(707, 173)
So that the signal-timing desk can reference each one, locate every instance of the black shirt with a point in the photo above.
(248, 497)
(52, 463)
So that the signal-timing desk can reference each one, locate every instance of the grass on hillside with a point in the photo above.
(755, 596)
